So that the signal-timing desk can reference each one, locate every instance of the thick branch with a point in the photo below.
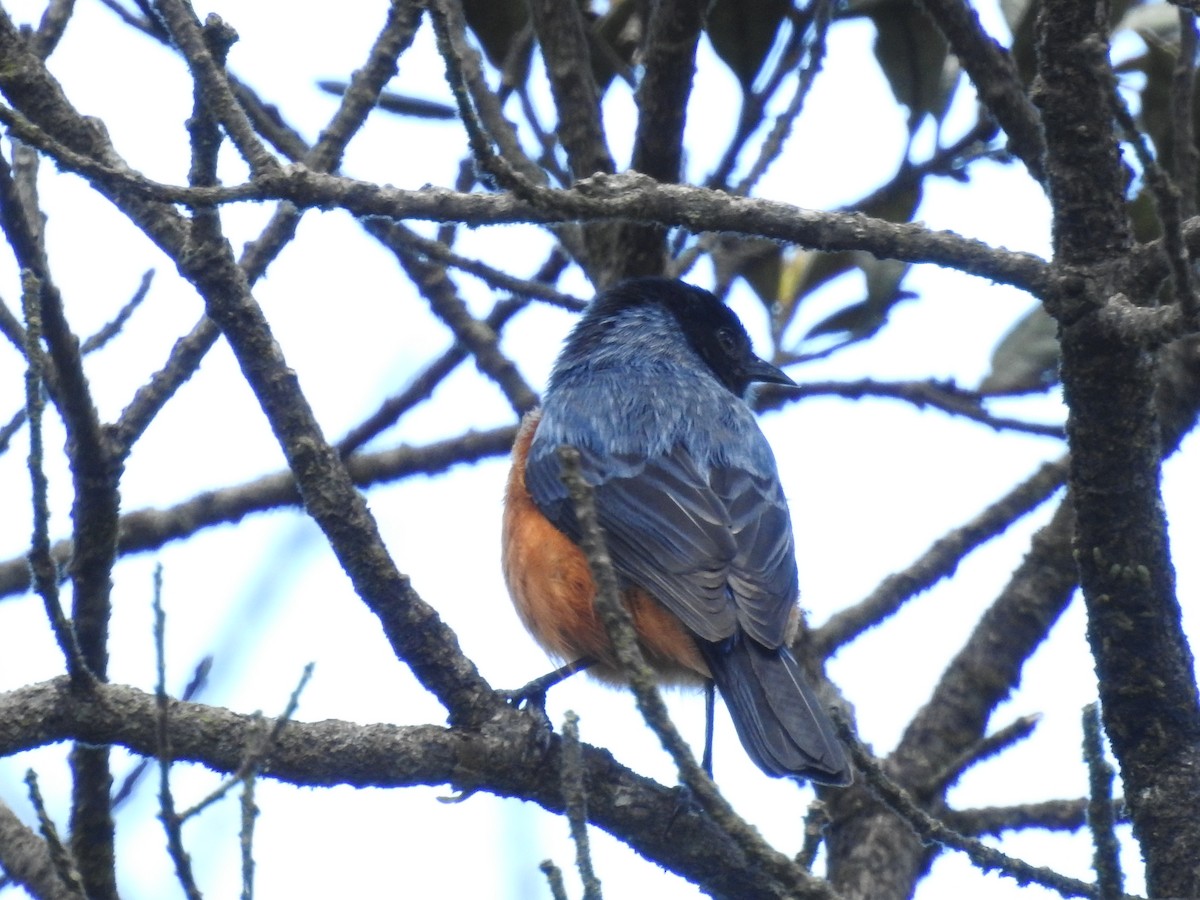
(563, 41)
(417, 634)
(662, 101)
(1145, 667)
(630, 197)
(978, 678)
(512, 757)
(26, 859)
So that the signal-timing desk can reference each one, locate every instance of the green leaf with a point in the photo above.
(914, 58)
(615, 40)
(496, 24)
(742, 33)
(783, 278)
(861, 320)
(1026, 358)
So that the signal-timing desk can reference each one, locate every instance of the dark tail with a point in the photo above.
(777, 716)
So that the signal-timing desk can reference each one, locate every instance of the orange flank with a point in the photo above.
(553, 591)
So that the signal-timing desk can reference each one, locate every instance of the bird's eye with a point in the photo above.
(728, 341)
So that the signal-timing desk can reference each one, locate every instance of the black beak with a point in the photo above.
(759, 370)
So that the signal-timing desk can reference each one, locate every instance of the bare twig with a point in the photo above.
(754, 105)
(985, 748)
(478, 107)
(172, 822)
(113, 327)
(256, 753)
(42, 567)
(1168, 203)
(536, 288)
(60, 856)
(930, 829)
(575, 801)
(246, 836)
(1047, 815)
(212, 82)
(1106, 853)
(994, 73)
(25, 860)
(945, 396)
(149, 529)
(939, 561)
(774, 142)
(1183, 91)
(815, 819)
(554, 879)
(445, 303)
(193, 687)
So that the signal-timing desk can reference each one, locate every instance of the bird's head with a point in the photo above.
(657, 315)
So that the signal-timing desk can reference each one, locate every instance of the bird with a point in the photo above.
(650, 388)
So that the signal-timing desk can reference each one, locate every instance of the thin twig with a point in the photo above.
(1166, 201)
(535, 288)
(575, 802)
(754, 107)
(113, 327)
(43, 569)
(815, 819)
(939, 561)
(994, 73)
(60, 856)
(9, 430)
(256, 754)
(931, 830)
(772, 145)
(422, 386)
(481, 115)
(246, 836)
(172, 823)
(942, 395)
(1047, 815)
(448, 306)
(212, 81)
(554, 879)
(193, 687)
(1183, 92)
(1106, 849)
(985, 748)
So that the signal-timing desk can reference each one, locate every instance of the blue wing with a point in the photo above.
(712, 542)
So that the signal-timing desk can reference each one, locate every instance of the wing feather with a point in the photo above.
(713, 543)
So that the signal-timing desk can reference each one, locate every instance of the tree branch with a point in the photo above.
(26, 859)
(1148, 691)
(996, 80)
(149, 529)
(628, 196)
(512, 757)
